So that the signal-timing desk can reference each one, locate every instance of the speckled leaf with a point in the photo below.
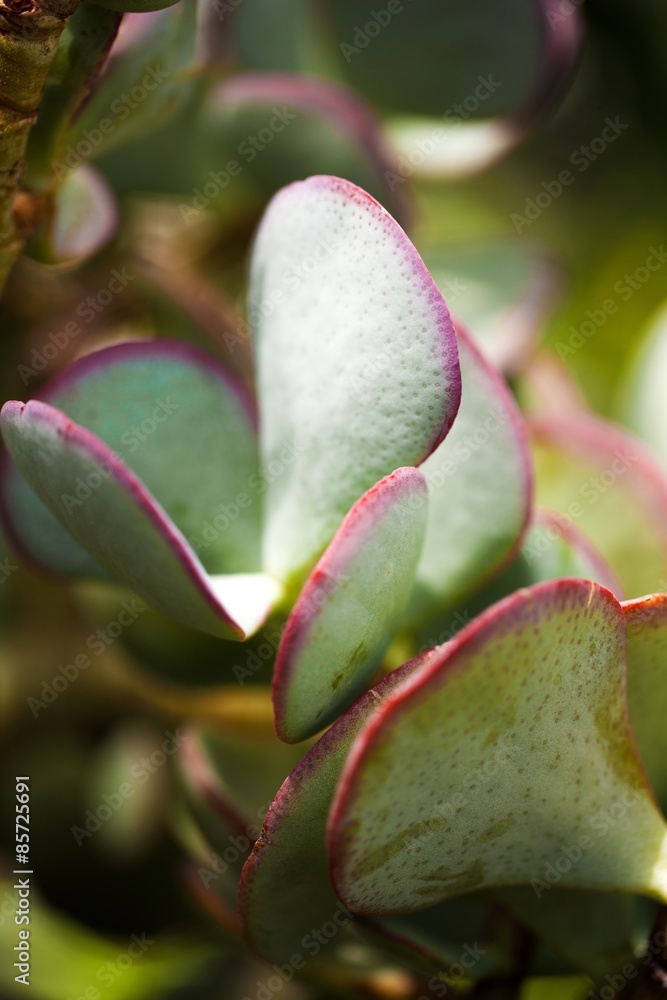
(646, 622)
(123, 526)
(162, 407)
(285, 888)
(530, 695)
(357, 362)
(343, 620)
(480, 490)
(613, 488)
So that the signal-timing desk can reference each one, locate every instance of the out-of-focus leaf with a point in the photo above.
(612, 487)
(502, 292)
(279, 126)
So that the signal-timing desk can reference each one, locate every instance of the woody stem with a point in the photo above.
(29, 34)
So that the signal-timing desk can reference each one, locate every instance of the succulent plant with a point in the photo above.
(378, 483)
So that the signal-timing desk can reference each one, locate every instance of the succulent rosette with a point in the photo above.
(376, 488)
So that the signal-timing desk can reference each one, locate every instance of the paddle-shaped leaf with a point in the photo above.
(165, 409)
(534, 689)
(346, 612)
(480, 490)
(123, 526)
(357, 363)
(328, 129)
(291, 851)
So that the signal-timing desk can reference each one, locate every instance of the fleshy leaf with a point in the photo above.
(119, 521)
(292, 848)
(502, 291)
(495, 57)
(555, 548)
(596, 931)
(534, 690)
(166, 409)
(646, 405)
(344, 617)
(612, 487)
(646, 621)
(85, 216)
(357, 362)
(328, 128)
(231, 781)
(480, 490)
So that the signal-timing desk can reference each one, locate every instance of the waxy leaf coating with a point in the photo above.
(347, 610)
(121, 524)
(358, 371)
(509, 750)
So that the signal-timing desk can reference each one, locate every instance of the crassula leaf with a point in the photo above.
(347, 610)
(646, 622)
(109, 464)
(357, 362)
(612, 487)
(534, 689)
(285, 888)
(182, 423)
(122, 525)
(480, 490)
(322, 126)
